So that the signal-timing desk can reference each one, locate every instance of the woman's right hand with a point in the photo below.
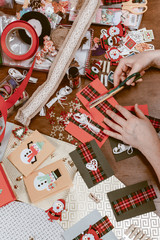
(136, 63)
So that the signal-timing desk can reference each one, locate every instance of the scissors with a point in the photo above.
(115, 90)
(130, 6)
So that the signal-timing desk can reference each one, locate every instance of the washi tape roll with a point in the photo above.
(5, 43)
(5, 40)
(39, 22)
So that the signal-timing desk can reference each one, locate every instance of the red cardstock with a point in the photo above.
(82, 135)
(99, 87)
(6, 192)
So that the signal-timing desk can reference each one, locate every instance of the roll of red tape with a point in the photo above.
(5, 44)
(5, 105)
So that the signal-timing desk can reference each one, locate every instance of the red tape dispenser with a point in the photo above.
(5, 40)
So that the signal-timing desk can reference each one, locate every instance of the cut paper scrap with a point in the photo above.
(82, 127)
(90, 221)
(6, 192)
(91, 92)
(85, 154)
(132, 201)
(79, 205)
(46, 181)
(31, 153)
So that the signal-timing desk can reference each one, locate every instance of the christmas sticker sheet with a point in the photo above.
(46, 181)
(31, 153)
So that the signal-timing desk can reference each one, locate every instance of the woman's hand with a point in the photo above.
(137, 63)
(136, 131)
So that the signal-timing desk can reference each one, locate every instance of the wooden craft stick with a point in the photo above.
(129, 230)
(134, 233)
(138, 236)
(104, 66)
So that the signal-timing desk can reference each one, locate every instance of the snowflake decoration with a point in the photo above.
(52, 114)
(61, 137)
(61, 129)
(53, 134)
(70, 138)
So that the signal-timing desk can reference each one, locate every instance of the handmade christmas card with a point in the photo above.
(31, 153)
(6, 192)
(91, 163)
(132, 200)
(46, 181)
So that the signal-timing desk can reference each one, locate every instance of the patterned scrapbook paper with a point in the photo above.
(79, 204)
(91, 92)
(20, 221)
(62, 152)
(93, 217)
(91, 163)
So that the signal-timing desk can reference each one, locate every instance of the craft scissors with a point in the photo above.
(115, 90)
(130, 6)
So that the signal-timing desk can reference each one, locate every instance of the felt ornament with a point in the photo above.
(92, 73)
(55, 212)
(20, 132)
(110, 41)
(60, 7)
(119, 30)
(113, 55)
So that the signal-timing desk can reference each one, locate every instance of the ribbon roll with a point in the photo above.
(84, 122)
(19, 77)
(60, 96)
(5, 105)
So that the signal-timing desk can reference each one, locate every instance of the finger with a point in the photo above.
(116, 118)
(122, 67)
(138, 112)
(124, 111)
(142, 72)
(133, 84)
(113, 134)
(113, 125)
(133, 70)
(139, 80)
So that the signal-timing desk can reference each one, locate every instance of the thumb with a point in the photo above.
(139, 113)
(133, 70)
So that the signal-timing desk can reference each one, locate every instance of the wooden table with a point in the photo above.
(135, 169)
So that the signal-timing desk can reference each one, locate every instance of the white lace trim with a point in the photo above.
(61, 63)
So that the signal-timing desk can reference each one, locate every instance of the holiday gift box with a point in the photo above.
(6, 193)
(46, 181)
(31, 153)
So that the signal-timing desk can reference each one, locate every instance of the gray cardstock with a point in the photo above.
(82, 168)
(145, 208)
(84, 224)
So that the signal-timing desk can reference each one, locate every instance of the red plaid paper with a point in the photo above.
(134, 200)
(87, 154)
(102, 227)
(155, 122)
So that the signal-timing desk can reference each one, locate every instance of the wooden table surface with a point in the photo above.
(137, 168)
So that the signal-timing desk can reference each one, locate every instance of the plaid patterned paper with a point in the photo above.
(100, 136)
(155, 122)
(110, 2)
(89, 93)
(87, 154)
(134, 200)
(102, 227)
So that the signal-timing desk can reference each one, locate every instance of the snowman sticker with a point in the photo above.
(46, 181)
(29, 155)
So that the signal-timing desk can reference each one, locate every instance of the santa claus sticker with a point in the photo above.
(113, 55)
(55, 212)
(29, 155)
(90, 235)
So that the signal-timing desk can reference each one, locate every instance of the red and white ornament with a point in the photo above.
(92, 73)
(114, 55)
(90, 235)
(119, 30)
